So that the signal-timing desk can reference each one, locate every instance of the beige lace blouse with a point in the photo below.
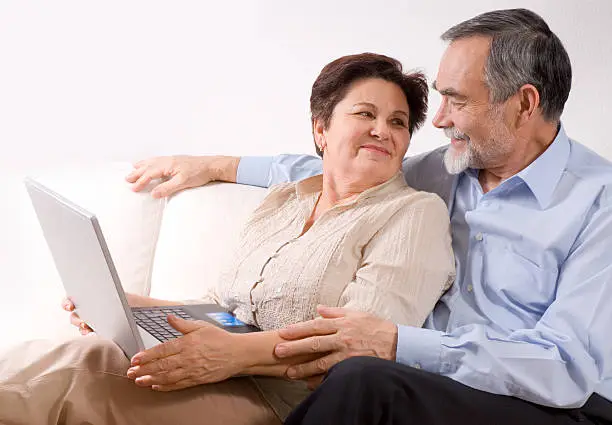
(386, 252)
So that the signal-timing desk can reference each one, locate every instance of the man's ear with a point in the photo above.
(528, 103)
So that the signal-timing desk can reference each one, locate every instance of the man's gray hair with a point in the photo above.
(523, 51)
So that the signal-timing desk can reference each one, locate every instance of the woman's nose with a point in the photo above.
(380, 130)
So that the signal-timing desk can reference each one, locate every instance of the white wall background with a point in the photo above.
(84, 81)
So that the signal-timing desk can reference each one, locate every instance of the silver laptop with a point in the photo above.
(91, 281)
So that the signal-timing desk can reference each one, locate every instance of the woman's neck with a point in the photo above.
(339, 188)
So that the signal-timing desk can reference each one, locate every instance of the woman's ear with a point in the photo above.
(318, 131)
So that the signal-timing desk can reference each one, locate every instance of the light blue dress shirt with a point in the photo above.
(530, 313)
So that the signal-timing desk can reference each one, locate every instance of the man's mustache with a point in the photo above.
(453, 133)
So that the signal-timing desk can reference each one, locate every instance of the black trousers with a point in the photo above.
(367, 390)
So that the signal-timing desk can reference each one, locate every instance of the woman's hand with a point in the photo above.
(133, 300)
(182, 172)
(204, 354)
(75, 320)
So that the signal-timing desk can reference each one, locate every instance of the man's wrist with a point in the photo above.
(224, 168)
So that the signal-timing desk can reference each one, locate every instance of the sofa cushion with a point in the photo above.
(199, 232)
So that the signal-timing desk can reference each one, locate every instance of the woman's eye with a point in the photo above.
(367, 114)
(400, 122)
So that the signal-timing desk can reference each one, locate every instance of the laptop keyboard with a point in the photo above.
(153, 320)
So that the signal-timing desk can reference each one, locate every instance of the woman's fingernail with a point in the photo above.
(291, 372)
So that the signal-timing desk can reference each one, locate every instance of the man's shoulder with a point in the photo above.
(426, 172)
(586, 164)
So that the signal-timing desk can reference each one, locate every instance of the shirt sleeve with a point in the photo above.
(561, 360)
(265, 171)
(406, 266)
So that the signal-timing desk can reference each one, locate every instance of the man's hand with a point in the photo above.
(342, 334)
(204, 354)
(182, 172)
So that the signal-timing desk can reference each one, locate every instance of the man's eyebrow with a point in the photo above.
(399, 111)
(448, 92)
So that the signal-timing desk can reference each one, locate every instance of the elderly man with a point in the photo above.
(522, 335)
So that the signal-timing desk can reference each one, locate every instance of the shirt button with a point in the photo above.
(470, 288)
(253, 308)
(478, 236)
(278, 290)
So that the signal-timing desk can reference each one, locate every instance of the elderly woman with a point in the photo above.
(356, 236)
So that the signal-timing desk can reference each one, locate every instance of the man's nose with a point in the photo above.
(442, 118)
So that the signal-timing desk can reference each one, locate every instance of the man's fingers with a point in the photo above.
(316, 367)
(308, 328)
(134, 174)
(314, 381)
(331, 312)
(167, 188)
(146, 178)
(311, 345)
(166, 349)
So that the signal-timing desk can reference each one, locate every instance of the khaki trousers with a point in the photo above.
(83, 381)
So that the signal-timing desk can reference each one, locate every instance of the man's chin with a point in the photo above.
(456, 161)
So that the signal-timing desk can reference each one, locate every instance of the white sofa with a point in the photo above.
(169, 248)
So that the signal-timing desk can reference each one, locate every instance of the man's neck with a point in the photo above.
(528, 149)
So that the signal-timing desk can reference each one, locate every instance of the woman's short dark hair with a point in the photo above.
(333, 82)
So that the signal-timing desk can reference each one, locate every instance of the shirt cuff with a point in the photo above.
(254, 170)
(419, 348)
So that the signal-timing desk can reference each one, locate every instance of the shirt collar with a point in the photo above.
(543, 174)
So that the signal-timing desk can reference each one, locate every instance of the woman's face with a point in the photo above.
(368, 136)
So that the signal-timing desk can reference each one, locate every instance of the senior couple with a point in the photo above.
(361, 293)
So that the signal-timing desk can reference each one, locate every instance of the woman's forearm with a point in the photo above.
(257, 350)
(135, 300)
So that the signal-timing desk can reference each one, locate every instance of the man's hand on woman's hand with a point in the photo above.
(203, 355)
(340, 333)
(181, 172)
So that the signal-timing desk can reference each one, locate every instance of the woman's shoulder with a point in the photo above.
(409, 197)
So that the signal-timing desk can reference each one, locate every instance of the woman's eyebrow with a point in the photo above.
(399, 111)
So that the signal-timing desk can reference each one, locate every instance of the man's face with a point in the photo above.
(478, 130)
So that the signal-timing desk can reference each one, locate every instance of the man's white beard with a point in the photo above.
(457, 161)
